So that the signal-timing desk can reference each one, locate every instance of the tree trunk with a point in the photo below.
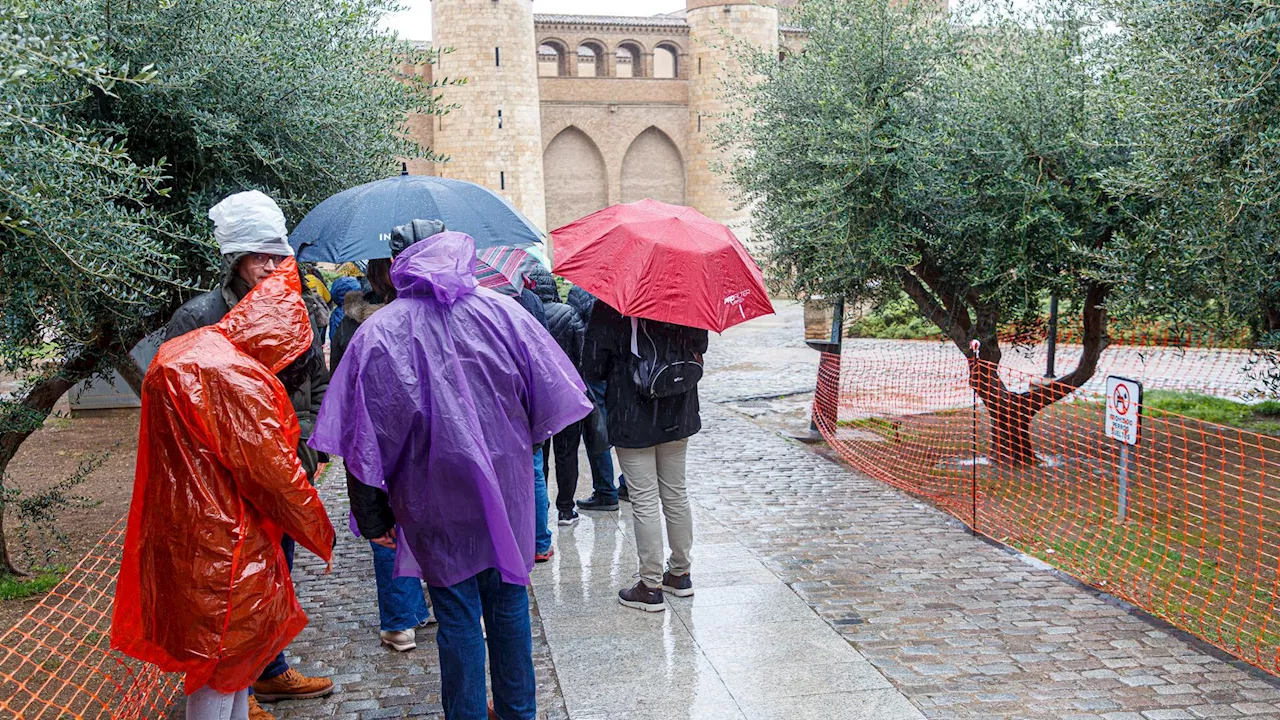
(1011, 431)
(7, 566)
(1011, 413)
(131, 373)
(972, 323)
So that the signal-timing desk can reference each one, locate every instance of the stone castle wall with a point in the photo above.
(570, 145)
(493, 47)
(713, 26)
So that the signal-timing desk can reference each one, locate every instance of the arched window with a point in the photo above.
(591, 60)
(665, 62)
(551, 60)
(628, 61)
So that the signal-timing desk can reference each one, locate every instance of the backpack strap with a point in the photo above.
(635, 336)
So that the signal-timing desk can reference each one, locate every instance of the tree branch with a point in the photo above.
(937, 314)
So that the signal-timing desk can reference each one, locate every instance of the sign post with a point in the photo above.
(1124, 418)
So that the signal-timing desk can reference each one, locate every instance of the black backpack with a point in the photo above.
(663, 364)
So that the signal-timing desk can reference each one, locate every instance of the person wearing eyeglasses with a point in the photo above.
(252, 237)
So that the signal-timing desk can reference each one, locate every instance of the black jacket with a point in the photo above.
(634, 420)
(529, 301)
(306, 379)
(582, 301)
(563, 322)
(356, 308)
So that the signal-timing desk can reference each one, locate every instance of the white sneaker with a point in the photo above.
(431, 619)
(399, 640)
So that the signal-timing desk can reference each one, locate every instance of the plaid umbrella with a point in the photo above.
(502, 269)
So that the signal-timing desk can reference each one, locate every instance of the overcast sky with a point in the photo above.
(415, 22)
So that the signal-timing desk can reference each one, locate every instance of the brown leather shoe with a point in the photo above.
(292, 685)
(256, 712)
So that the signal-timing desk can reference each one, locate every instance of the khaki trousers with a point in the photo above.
(656, 483)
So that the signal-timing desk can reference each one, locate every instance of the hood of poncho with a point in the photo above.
(442, 266)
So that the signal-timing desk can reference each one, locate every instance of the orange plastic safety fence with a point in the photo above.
(57, 662)
(1185, 524)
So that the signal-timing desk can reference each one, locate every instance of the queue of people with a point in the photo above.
(443, 399)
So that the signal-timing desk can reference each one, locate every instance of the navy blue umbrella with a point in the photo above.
(356, 224)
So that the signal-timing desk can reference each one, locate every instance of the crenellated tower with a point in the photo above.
(494, 136)
(711, 62)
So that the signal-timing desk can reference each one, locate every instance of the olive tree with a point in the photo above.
(122, 122)
(958, 159)
(1205, 90)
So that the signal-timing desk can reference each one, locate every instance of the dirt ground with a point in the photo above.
(54, 453)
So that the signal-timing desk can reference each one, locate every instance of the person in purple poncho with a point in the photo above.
(439, 400)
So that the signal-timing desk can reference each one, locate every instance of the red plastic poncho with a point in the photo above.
(204, 588)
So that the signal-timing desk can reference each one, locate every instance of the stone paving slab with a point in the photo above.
(773, 658)
(373, 682)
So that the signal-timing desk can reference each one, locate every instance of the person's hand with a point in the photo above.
(386, 541)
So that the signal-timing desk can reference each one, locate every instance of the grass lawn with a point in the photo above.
(1261, 417)
(1201, 536)
(16, 588)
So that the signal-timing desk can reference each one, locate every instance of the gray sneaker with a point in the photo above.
(643, 597)
(678, 585)
(399, 640)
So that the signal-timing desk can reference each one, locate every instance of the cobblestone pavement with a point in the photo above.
(341, 641)
(962, 628)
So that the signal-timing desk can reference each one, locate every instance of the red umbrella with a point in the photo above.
(663, 262)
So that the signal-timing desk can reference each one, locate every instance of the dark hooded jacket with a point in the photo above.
(582, 301)
(306, 379)
(356, 308)
(636, 421)
(528, 300)
(563, 322)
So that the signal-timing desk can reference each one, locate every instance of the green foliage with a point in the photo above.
(897, 319)
(1205, 91)
(76, 234)
(121, 123)
(908, 150)
(14, 587)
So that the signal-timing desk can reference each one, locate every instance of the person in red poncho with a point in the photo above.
(204, 588)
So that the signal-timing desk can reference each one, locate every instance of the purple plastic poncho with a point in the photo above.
(439, 400)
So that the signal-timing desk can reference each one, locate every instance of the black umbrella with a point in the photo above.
(356, 224)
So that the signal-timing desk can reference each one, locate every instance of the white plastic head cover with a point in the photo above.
(250, 222)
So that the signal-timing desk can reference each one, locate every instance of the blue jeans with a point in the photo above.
(601, 463)
(505, 608)
(401, 603)
(542, 533)
(280, 666)
(602, 476)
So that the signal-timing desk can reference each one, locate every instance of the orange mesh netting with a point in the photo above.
(57, 662)
(1199, 540)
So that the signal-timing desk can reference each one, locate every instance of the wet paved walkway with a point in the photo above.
(820, 594)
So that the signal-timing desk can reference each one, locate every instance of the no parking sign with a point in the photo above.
(1124, 415)
(1124, 405)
